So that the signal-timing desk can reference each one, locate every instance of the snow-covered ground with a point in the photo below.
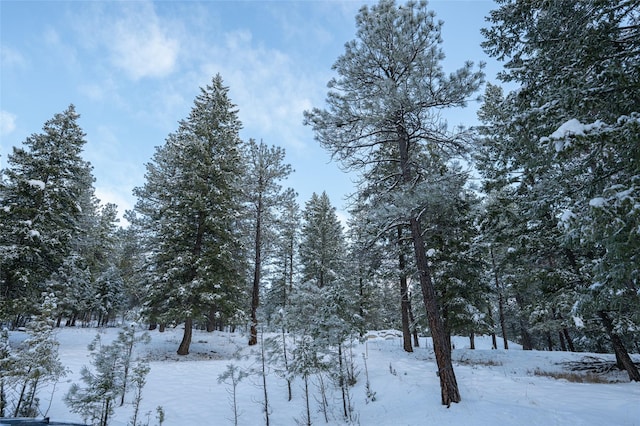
(498, 387)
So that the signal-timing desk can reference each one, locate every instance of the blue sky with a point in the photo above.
(133, 69)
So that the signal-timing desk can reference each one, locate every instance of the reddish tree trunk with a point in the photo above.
(404, 297)
(448, 384)
(621, 352)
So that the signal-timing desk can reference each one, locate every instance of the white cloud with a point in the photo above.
(11, 57)
(270, 88)
(7, 123)
(135, 39)
(140, 46)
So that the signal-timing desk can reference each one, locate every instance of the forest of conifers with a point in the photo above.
(525, 227)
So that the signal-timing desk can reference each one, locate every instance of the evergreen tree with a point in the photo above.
(572, 130)
(385, 107)
(34, 364)
(186, 215)
(112, 365)
(284, 264)
(264, 195)
(322, 247)
(324, 307)
(42, 197)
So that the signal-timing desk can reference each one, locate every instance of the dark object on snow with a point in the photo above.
(34, 422)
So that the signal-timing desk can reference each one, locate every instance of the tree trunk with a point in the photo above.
(503, 326)
(211, 319)
(549, 341)
(186, 338)
(568, 339)
(448, 383)
(619, 349)
(494, 341)
(472, 340)
(414, 328)
(563, 344)
(404, 307)
(527, 340)
(3, 397)
(255, 295)
(404, 297)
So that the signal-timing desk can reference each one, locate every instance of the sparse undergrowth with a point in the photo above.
(485, 362)
(587, 377)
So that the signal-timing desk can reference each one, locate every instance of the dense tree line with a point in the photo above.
(544, 253)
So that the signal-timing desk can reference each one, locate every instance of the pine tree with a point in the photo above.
(575, 121)
(324, 307)
(42, 196)
(322, 247)
(264, 195)
(384, 107)
(284, 255)
(109, 379)
(187, 211)
(35, 363)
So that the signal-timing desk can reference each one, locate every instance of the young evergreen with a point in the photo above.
(31, 366)
(106, 384)
(264, 196)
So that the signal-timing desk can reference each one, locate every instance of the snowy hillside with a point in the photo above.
(498, 387)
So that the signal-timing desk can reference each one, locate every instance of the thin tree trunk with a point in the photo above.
(527, 341)
(21, 397)
(563, 344)
(306, 399)
(255, 295)
(619, 349)
(211, 319)
(286, 362)
(503, 326)
(549, 341)
(186, 338)
(568, 338)
(494, 341)
(3, 397)
(414, 328)
(107, 406)
(404, 297)
(472, 340)
(264, 379)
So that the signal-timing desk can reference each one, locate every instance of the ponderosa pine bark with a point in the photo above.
(404, 296)
(622, 355)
